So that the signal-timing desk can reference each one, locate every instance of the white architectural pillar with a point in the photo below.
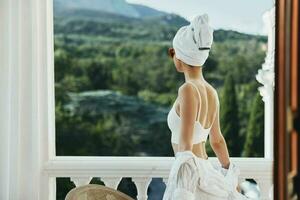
(266, 77)
(4, 100)
(26, 109)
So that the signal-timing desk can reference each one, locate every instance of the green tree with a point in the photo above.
(229, 117)
(100, 75)
(254, 145)
(62, 64)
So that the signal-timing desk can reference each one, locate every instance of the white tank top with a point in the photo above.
(174, 123)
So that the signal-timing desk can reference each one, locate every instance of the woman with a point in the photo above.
(194, 116)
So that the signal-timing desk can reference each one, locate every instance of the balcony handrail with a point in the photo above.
(114, 166)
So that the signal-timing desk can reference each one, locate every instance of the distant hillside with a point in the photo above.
(115, 26)
(105, 24)
(120, 7)
(145, 11)
(221, 35)
(119, 19)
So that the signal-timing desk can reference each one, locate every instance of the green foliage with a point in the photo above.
(63, 185)
(225, 35)
(254, 146)
(101, 120)
(229, 117)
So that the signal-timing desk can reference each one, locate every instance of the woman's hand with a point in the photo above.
(226, 166)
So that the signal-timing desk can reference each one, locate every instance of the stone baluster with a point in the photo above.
(80, 181)
(111, 182)
(165, 180)
(142, 184)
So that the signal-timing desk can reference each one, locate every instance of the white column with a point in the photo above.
(142, 184)
(111, 182)
(266, 76)
(165, 180)
(26, 108)
(4, 100)
(80, 181)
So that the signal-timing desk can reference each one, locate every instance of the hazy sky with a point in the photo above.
(241, 15)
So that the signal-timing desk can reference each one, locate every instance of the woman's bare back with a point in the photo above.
(208, 103)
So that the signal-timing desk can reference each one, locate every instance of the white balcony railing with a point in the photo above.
(112, 169)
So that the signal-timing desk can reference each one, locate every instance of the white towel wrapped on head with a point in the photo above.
(193, 42)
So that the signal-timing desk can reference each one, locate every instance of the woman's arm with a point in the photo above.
(217, 140)
(187, 175)
(188, 111)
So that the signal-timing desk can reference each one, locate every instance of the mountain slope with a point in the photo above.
(145, 11)
(120, 7)
(154, 28)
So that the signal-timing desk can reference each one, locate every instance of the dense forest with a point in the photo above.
(114, 86)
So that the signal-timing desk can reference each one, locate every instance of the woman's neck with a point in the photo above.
(194, 74)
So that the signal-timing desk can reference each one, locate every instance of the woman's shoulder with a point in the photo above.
(185, 87)
(215, 95)
(212, 90)
(188, 89)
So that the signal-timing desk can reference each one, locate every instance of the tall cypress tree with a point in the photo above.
(254, 145)
(230, 125)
